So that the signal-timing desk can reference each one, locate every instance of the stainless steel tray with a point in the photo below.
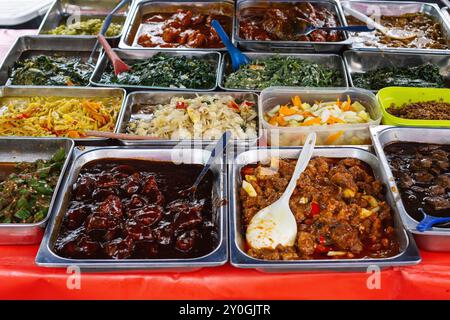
(77, 92)
(164, 97)
(395, 8)
(30, 46)
(332, 61)
(142, 8)
(446, 13)
(436, 239)
(62, 10)
(409, 254)
(290, 46)
(361, 61)
(30, 150)
(46, 257)
(142, 54)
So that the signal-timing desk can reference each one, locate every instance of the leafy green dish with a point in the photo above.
(424, 76)
(163, 70)
(283, 71)
(45, 70)
(26, 192)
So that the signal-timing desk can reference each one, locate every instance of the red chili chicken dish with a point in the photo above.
(182, 29)
(339, 207)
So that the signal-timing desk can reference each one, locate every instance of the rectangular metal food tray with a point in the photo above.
(396, 8)
(142, 8)
(155, 98)
(30, 150)
(290, 46)
(62, 10)
(48, 258)
(446, 13)
(436, 239)
(332, 61)
(76, 92)
(141, 54)
(409, 254)
(30, 46)
(362, 61)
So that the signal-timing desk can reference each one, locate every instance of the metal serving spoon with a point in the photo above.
(429, 221)
(216, 152)
(105, 26)
(275, 225)
(391, 33)
(238, 59)
(307, 29)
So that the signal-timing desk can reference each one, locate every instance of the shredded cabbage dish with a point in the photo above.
(204, 117)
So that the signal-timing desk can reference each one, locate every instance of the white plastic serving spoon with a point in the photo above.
(275, 224)
(396, 34)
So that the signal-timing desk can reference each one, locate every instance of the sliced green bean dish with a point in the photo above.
(27, 191)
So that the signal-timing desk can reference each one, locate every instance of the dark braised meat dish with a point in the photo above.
(338, 205)
(131, 209)
(422, 173)
(285, 22)
(184, 29)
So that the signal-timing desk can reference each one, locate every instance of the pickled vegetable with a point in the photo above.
(89, 27)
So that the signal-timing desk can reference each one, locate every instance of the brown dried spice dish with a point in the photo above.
(339, 207)
(425, 110)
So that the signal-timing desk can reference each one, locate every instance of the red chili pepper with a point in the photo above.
(248, 170)
(250, 104)
(22, 116)
(321, 239)
(315, 208)
(234, 105)
(181, 105)
(322, 249)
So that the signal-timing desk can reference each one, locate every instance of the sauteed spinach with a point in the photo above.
(426, 76)
(45, 70)
(163, 70)
(283, 71)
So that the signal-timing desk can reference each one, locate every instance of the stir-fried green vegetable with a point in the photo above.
(89, 27)
(26, 193)
(426, 76)
(162, 70)
(283, 71)
(45, 70)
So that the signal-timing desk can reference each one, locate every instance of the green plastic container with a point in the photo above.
(401, 95)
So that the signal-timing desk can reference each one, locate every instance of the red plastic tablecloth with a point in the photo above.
(20, 278)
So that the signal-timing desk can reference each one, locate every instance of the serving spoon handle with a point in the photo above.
(217, 151)
(301, 165)
(429, 221)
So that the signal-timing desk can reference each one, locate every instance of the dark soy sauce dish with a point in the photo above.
(132, 209)
(422, 174)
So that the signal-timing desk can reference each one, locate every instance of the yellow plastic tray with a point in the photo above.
(401, 95)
